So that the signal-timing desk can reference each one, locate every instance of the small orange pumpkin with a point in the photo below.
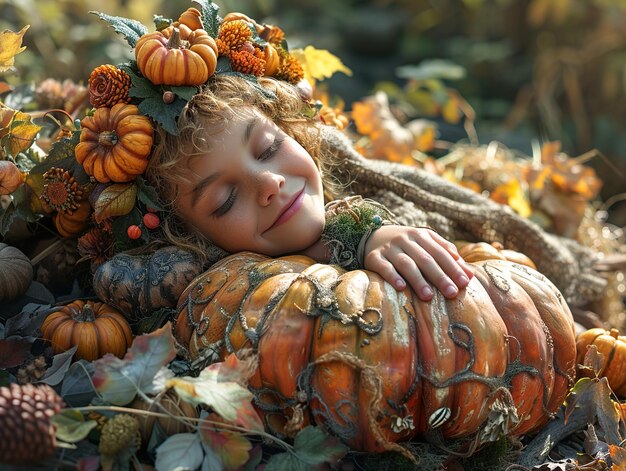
(191, 17)
(96, 328)
(69, 225)
(177, 56)
(115, 143)
(272, 60)
(612, 346)
(479, 251)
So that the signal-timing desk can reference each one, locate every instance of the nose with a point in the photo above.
(269, 185)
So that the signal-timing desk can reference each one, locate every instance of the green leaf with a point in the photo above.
(61, 155)
(6, 218)
(147, 194)
(315, 447)
(77, 389)
(432, 69)
(142, 87)
(181, 451)
(132, 30)
(286, 462)
(118, 380)
(186, 93)
(71, 425)
(162, 113)
(210, 19)
(160, 22)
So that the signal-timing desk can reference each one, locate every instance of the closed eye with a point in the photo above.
(271, 150)
(225, 207)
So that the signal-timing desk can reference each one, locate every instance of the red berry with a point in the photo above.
(151, 210)
(134, 232)
(151, 220)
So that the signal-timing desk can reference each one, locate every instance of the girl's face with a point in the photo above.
(256, 189)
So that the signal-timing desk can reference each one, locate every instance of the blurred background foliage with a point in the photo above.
(532, 70)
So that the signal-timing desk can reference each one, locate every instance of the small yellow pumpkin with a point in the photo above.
(272, 60)
(115, 143)
(612, 346)
(479, 251)
(96, 328)
(191, 17)
(70, 225)
(177, 56)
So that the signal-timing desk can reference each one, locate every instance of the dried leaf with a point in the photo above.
(618, 457)
(512, 194)
(118, 380)
(71, 425)
(13, 352)
(594, 359)
(218, 386)
(117, 199)
(10, 46)
(22, 135)
(224, 450)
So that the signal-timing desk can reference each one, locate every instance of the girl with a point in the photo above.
(248, 171)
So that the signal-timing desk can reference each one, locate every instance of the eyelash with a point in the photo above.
(271, 150)
(266, 154)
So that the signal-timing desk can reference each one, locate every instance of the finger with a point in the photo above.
(438, 267)
(409, 270)
(454, 253)
(377, 263)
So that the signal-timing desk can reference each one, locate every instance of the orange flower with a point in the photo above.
(60, 191)
(246, 62)
(232, 35)
(290, 70)
(108, 86)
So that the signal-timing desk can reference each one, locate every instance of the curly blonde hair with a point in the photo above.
(208, 111)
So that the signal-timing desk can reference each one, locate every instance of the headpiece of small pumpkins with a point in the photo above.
(116, 138)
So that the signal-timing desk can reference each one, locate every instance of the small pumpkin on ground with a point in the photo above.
(375, 365)
(16, 272)
(138, 285)
(71, 224)
(96, 328)
(612, 346)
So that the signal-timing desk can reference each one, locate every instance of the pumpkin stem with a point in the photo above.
(174, 41)
(87, 314)
(108, 138)
(614, 333)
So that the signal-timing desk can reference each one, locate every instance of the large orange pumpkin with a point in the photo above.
(95, 327)
(376, 366)
(177, 56)
(115, 143)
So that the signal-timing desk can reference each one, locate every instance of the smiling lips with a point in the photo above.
(291, 208)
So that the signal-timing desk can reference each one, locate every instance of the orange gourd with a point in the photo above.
(612, 346)
(499, 358)
(478, 251)
(96, 328)
(177, 56)
(191, 18)
(72, 224)
(115, 143)
(272, 60)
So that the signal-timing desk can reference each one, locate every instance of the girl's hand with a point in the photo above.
(412, 255)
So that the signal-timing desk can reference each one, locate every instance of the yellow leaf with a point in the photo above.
(10, 46)
(319, 64)
(117, 199)
(22, 134)
(511, 193)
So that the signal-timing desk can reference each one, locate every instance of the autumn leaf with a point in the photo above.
(118, 380)
(512, 194)
(319, 64)
(22, 135)
(224, 450)
(13, 352)
(618, 457)
(117, 199)
(218, 386)
(10, 46)
(592, 398)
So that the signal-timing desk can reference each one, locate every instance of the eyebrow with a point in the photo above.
(206, 181)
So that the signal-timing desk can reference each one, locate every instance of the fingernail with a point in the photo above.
(463, 280)
(450, 290)
(400, 284)
(427, 292)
